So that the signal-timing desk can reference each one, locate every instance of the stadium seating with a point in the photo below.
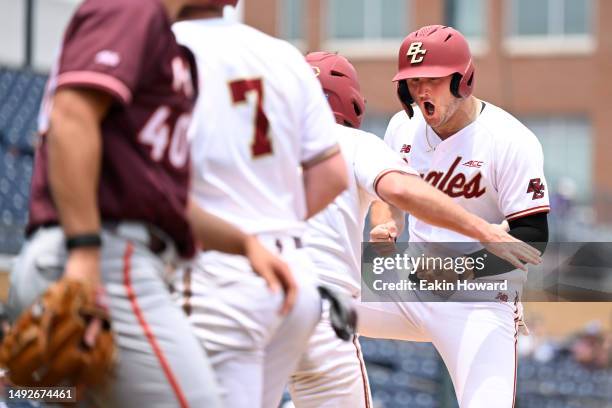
(20, 94)
(562, 383)
(404, 374)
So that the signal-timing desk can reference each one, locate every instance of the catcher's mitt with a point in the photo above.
(52, 344)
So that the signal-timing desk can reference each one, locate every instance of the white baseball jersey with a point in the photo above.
(493, 168)
(260, 116)
(333, 238)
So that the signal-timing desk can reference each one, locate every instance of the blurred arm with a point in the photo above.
(411, 194)
(382, 213)
(532, 229)
(214, 233)
(74, 145)
(324, 179)
(75, 151)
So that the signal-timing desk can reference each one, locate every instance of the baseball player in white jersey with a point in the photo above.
(491, 165)
(262, 139)
(332, 372)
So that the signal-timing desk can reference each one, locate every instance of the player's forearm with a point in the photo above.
(74, 149)
(428, 204)
(532, 229)
(383, 213)
(323, 182)
(214, 233)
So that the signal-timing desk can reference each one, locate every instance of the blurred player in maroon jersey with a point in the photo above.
(109, 202)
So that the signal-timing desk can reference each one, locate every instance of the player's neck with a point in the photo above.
(173, 8)
(466, 113)
(200, 12)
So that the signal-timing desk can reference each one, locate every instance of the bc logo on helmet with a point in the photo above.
(416, 52)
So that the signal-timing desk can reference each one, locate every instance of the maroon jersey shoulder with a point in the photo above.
(109, 44)
(127, 49)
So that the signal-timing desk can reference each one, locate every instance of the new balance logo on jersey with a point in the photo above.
(405, 148)
(473, 163)
(537, 188)
(416, 53)
(108, 58)
(455, 185)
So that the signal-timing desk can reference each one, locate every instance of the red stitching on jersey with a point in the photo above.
(516, 333)
(127, 282)
(534, 210)
(383, 174)
(364, 377)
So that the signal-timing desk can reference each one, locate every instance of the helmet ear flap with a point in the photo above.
(463, 85)
(460, 86)
(466, 86)
(403, 93)
(454, 85)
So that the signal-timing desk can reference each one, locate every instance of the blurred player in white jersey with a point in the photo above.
(332, 372)
(262, 141)
(491, 165)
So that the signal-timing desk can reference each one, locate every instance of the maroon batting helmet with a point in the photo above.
(339, 81)
(432, 52)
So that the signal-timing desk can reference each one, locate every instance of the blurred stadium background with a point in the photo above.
(546, 61)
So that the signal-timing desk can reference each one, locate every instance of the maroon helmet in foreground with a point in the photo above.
(339, 81)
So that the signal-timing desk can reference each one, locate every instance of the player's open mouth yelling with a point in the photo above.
(430, 108)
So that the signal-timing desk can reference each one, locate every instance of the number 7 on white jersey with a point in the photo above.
(261, 143)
